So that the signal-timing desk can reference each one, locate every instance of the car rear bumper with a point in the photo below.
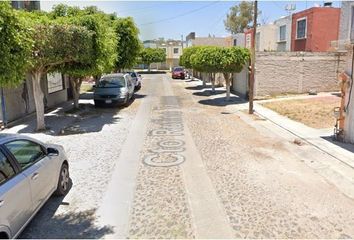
(110, 101)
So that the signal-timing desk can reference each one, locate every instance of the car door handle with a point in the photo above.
(34, 176)
(1, 203)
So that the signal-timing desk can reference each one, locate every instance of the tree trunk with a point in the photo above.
(212, 80)
(149, 68)
(76, 85)
(227, 81)
(38, 99)
(203, 78)
(97, 79)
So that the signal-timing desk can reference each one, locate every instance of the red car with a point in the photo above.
(178, 72)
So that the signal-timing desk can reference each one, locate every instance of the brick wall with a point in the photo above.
(295, 72)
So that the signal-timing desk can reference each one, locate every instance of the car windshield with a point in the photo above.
(109, 82)
(178, 69)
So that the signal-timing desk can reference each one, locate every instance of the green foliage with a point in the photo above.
(185, 58)
(219, 59)
(152, 55)
(57, 43)
(128, 44)
(239, 17)
(233, 59)
(15, 48)
(100, 55)
(206, 59)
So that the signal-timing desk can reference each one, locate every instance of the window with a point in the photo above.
(235, 42)
(55, 82)
(175, 50)
(6, 170)
(282, 33)
(301, 28)
(25, 152)
(352, 26)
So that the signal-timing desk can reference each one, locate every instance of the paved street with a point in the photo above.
(178, 163)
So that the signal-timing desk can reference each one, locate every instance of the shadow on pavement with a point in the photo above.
(85, 120)
(199, 87)
(347, 146)
(222, 102)
(207, 93)
(151, 72)
(138, 96)
(45, 225)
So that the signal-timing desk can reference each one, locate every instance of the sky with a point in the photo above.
(174, 19)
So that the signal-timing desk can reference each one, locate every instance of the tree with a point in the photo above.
(99, 58)
(185, 58)
(239, 17)
(231, 60)
(205, 59)
(54, 44)
(152, 55)
(128, 44)
(15, 48)
(220, 60)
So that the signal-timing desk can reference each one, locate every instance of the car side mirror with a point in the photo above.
(52, 151)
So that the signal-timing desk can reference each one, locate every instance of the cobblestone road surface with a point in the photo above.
(201, 172)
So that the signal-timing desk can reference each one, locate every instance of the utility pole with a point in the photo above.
(253, 58)
(182, 41)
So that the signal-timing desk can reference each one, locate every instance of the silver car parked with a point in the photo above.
(30, 172)
(114, 89)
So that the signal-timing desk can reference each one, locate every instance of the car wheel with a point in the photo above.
(64, 181)
(126, 101)
(97, 103)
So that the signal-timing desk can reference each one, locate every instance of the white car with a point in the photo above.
(137, 79)
(30, 172)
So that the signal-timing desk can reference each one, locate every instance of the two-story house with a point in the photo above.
(314, 29)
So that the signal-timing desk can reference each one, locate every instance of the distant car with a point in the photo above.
(178, 72)
(30, 172)
(136, 79)
(114, 89)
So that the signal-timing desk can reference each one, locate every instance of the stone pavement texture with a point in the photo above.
(180, 162)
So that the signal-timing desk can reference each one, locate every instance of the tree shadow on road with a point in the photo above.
(67, 225)
(198, 87)
(207, 93)
(74, 225)
(85, 120)
(222, 102)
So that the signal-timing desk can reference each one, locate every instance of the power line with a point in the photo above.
(180, 15)
(134, 10)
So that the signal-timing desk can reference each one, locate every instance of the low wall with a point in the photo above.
(19, 101)
(297, 72)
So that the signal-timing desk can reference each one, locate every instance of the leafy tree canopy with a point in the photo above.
(152, 55)
(185, 59)
(239, 17)
(128, 44)
(101, 57)
(15, 48)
